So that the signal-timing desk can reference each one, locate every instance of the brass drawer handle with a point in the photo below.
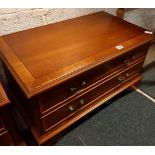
(79, 91)
(126, 62)
(133, 57)
(83, 83)
(127, 75)
(73, 89)
(121, 78)
(82, 101)
(71, 108)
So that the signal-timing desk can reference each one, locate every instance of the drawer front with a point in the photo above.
(56, 117)
(5, 139)
(75, 86)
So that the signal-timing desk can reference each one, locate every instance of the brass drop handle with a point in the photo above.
(71, 108)
(127, 75)
(72, 89)
(83, 83)
(133, 57)
(126, 61)
(122, 78)
(82, 101)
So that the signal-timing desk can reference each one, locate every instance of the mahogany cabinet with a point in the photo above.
(9, 132)
(61, 72)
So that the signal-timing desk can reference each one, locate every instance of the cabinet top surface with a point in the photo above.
(42, 57)
(3, 98)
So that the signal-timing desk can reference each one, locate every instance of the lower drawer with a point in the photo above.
(57, 116)
(5, 139)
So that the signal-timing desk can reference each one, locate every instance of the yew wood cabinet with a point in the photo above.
(9, 133)
(61, 72)
(5, 138)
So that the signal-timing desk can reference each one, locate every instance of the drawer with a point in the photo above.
(5, 139)
(75, 86)
(62, 113)
(57, 116)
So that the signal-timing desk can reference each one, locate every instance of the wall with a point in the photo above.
(12, 20)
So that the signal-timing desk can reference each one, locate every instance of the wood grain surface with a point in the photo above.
(42, 57)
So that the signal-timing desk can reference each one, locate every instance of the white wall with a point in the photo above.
(12, 20)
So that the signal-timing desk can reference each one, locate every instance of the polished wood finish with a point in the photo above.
(63, 71)
(67, 48)
(9, 133)
(120, 12)
(5, 138)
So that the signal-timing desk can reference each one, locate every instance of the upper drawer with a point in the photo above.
(76, 85)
